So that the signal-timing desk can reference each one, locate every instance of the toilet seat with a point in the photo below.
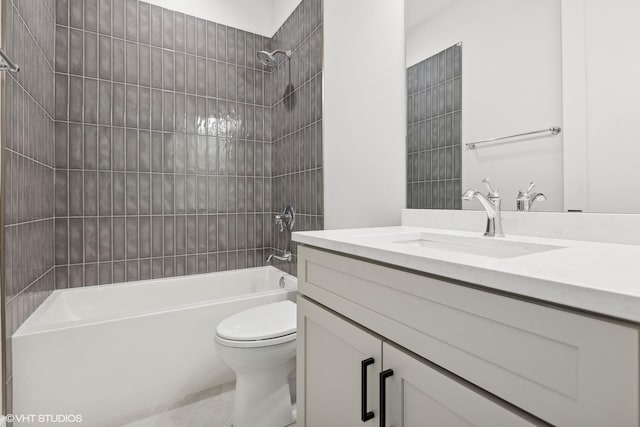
(256, 343)
(260, 326)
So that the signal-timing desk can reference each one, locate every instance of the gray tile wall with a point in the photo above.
(434, 131)
(165, 149)
(297, 124)
(28, 165)
(163, 144)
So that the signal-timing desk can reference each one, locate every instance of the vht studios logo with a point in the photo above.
(44, 418)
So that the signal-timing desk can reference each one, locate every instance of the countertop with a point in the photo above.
(602, 278)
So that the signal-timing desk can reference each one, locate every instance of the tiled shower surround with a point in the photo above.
(165, 130)
(297, 124)
(28, 164)
(163, 164)
(434, 131)
(165, 149)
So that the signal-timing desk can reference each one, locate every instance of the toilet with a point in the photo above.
(259, 344)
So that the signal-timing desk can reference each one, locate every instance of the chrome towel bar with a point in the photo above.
(554, 131)
(8, 64)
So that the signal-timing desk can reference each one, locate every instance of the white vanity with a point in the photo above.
(433, 324)
(414, 326)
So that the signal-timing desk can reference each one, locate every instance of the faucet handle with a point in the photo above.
(492, 192)
(286, 219)
(529, 192)
(525, 199)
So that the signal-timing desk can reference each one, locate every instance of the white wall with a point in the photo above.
(364, 113)
(280, 11)
(417, 11)
(602, 104)
(263, 17)
(511, 83)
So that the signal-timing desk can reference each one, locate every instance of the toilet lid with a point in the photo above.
(260, 323)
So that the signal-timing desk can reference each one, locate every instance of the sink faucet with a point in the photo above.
(525, 199)
(492, 204)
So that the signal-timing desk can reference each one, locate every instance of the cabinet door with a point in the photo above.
(420, 395)
(330, 358)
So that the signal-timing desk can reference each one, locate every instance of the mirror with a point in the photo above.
(562, 72)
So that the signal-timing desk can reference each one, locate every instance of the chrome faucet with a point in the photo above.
(287, 219)
(492, 203)
(525, 199)
(286, 257)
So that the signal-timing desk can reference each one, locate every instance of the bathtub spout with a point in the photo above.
(287, 257)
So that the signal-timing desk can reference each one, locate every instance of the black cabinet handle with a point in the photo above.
(364, 415)
(383, 395)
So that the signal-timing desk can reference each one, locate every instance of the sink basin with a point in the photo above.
(483, 246)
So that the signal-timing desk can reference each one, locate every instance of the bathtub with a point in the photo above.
(119, 352)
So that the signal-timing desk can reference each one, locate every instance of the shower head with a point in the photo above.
(269, 59)
(266, 58)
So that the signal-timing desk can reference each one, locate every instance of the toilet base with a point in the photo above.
(263, 395)
(263, 399)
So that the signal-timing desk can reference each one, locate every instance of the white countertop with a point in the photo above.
(602, 278)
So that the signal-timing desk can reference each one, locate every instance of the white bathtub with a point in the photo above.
(118, 352)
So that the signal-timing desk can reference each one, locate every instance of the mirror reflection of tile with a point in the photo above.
(434, 128)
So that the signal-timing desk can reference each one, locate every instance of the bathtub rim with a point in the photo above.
(26, 329)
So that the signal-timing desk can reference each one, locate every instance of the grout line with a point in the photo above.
(436, 117)
(176, 131)
(24, 22)
(435, 86)
(84, 276)
(44, 110)
(279, 139)
(26, 157)
(111, 120)
(308, 82)
(139, 233)
(32, 283)
(16, 224)
(162, 48)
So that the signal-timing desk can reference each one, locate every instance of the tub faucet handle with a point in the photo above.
(286, 219)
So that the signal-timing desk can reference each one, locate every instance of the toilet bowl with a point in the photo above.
(259, 344)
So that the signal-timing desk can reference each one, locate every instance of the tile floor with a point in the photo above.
(210, 411)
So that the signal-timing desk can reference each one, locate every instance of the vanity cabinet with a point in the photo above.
(457, 351)
(337, 359)
(350, 374)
